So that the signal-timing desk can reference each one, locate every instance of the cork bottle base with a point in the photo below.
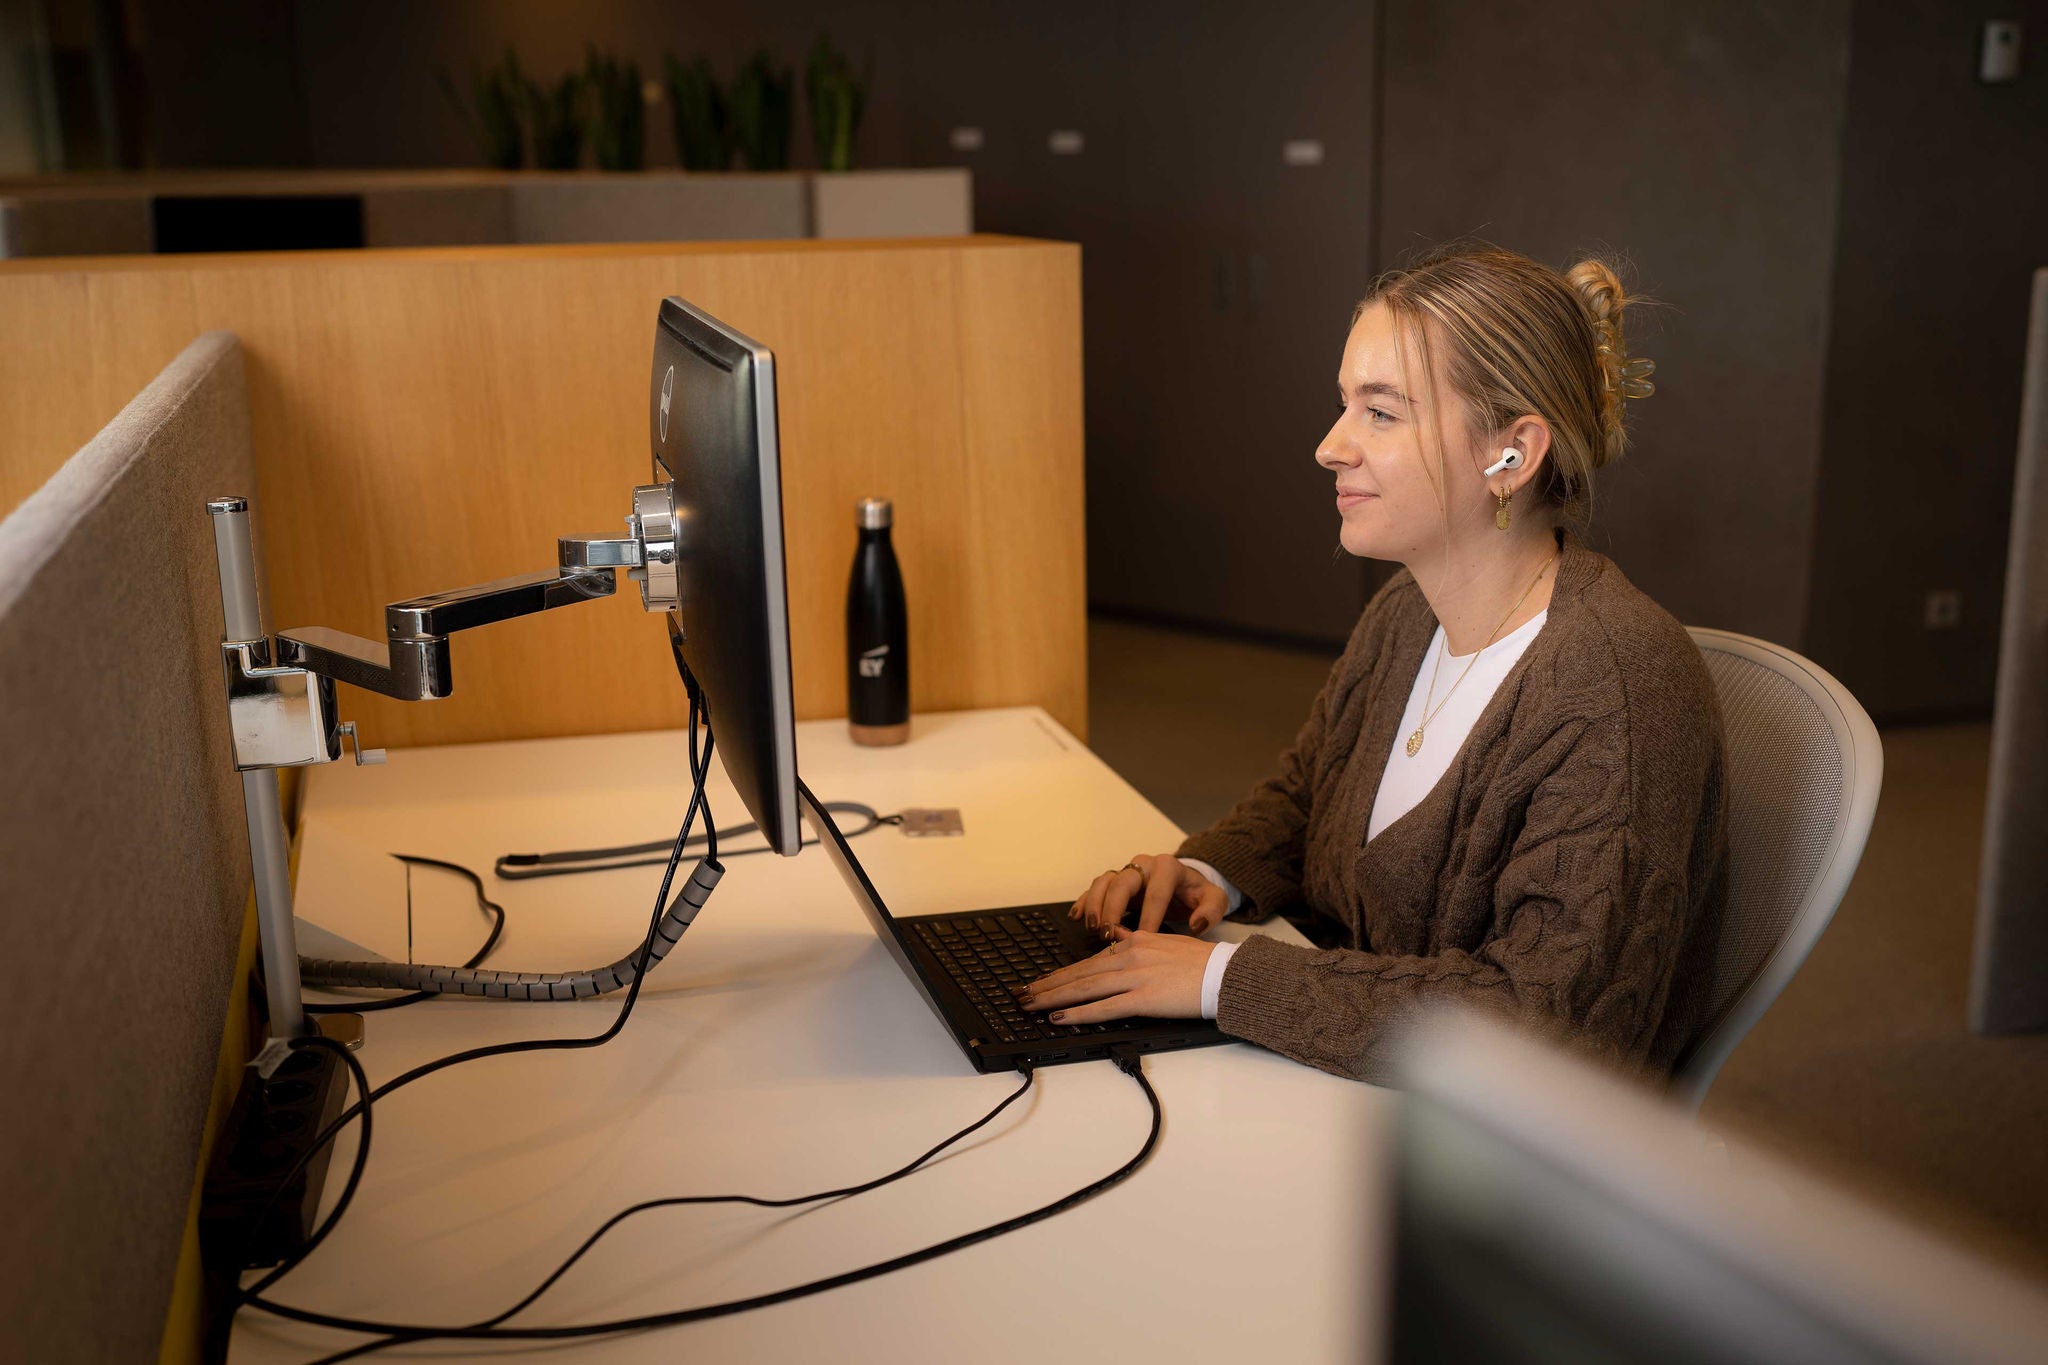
(878, 736)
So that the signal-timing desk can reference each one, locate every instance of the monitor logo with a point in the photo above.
(668, 388)
(871, 661)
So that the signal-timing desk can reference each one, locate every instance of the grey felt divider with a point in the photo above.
(2009, 978)
(123, 861)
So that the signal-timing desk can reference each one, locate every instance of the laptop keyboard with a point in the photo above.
(987, 955)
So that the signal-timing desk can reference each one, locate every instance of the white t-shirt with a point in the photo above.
(1408, 778)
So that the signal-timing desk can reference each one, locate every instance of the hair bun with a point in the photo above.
(1599, 288)
(1600, 291)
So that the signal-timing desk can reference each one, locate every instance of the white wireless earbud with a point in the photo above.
(1509, 459)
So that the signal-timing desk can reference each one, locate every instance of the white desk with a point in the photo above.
(779, 1050)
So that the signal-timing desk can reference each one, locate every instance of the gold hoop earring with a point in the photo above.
(1500, 515)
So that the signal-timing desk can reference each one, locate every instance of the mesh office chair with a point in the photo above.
(1804, 766)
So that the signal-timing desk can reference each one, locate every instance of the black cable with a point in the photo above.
(476, 959)
(1126, 1059)
(699, 767)
(523, 867)
(847, 1192)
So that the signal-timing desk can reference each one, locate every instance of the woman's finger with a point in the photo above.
(1104, 961)
(1205, 901)
(1162, 878)
(1091, 899)
(1122, 1006)
(1123, 883)
(1080, 990)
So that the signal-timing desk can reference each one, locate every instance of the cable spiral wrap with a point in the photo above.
(496, 985)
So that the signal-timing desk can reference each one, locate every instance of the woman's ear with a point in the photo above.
(1531, 436)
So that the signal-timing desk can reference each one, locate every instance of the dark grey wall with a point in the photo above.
(1944, 215)
(222, 84)
(1701, 142)
(1233, 289)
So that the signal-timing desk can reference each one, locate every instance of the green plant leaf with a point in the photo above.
(837, 96)
(702, 122)
(763, 112)
(617, 122)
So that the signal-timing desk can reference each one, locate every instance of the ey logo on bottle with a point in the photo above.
(871, 661)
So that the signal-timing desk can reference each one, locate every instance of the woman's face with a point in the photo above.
(1384, 450)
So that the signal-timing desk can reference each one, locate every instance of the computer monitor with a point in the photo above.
(712, 422)
(1548, 1213)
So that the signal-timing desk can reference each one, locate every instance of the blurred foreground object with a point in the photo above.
(2009, 973)
(1545, 1211)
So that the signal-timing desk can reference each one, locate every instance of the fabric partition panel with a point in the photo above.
(124, 867)
(2009, 977)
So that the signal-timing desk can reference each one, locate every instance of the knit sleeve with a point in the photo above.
(1588, 914)
(1260, 844)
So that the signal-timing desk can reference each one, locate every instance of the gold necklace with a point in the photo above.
(1428, 715)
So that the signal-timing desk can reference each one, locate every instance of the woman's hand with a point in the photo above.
(1169, 887)
(1139, 973)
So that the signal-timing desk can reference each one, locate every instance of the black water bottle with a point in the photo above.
(877, 635)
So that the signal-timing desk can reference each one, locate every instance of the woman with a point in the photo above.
(1510, 791)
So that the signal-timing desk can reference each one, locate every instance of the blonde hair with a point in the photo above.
(1519, 338)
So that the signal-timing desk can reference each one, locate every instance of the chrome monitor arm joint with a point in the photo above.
(280, 692)
(281, 703)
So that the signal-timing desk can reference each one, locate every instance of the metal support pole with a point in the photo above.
(269, 852)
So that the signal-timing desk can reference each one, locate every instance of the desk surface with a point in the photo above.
(780, 1050)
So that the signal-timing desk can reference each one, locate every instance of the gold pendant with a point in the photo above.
(1415, 742)
(1500, 515)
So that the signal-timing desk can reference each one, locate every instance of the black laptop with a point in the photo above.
(967, 963)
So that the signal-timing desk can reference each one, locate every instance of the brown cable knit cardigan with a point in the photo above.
(1570, 867)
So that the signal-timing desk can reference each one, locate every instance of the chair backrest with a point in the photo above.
(1804, 767)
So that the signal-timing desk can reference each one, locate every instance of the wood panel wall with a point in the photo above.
(429, 418)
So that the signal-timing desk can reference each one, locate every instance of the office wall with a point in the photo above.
(1944, 216)
(1233, 281)
(1702, 141)
(1217, 280)
(220, 84)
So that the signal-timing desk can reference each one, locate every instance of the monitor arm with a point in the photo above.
(280, 692)
(281, 714)
(281, 704)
